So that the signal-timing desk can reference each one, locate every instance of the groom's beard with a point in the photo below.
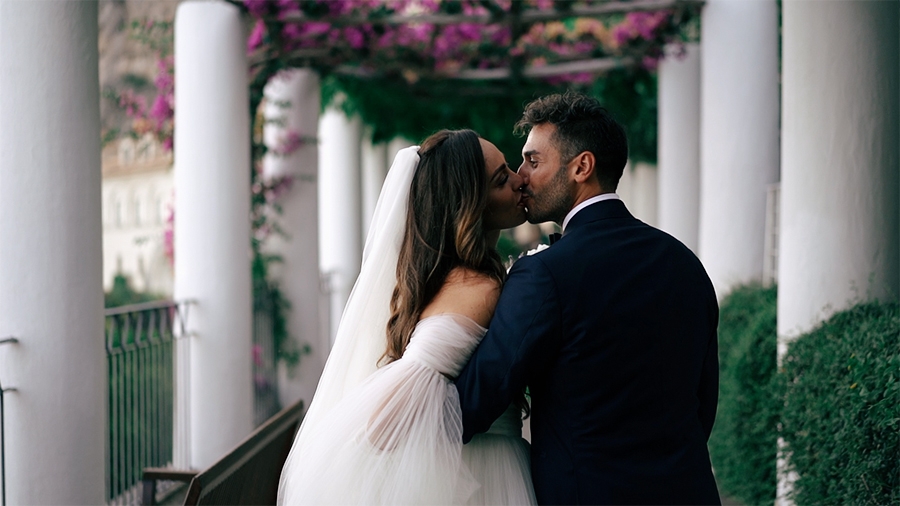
(552, 203)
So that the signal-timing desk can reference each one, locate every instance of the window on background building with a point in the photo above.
(137, 212)
(118, 213)
(125, 152)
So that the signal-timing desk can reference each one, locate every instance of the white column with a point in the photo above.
(626, 186)
(679, 144)
(739, 136)
(294, 97)
(340, 211)
(375, 166)
(645, 193)
(395, 145)
(51, 294)
(638, 190)
(841, 179)
(212, 222)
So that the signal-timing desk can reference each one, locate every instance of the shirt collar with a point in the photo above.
(592, 200)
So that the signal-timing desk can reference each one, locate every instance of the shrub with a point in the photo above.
(122, 294)
(841, 411)
(743, 442)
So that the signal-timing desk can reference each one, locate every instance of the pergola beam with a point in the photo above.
(556, 69)
(533, 16)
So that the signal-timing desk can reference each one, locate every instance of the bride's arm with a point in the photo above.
(466, 293)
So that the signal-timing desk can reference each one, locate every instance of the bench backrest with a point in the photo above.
(249, 473)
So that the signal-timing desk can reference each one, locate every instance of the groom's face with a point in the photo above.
(547, 191)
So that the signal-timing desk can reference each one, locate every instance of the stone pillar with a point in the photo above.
(738, 136)
(340, 210)
(638, 190)
(645, 193)
(294, 97)
(51, 298)
(395, 145)
(841, 179)
(679, 144)
(212, 222)
(375, 165)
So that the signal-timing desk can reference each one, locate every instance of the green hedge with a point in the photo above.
(841, 411)
(836, 399)
(743, 442)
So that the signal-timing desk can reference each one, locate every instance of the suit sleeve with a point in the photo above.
(521, 336)
(709, 379)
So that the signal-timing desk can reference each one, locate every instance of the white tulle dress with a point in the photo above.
(397, 437)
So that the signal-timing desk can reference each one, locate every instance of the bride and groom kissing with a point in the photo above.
(611, 331)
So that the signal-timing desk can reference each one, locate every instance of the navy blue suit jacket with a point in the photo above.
(613, 330)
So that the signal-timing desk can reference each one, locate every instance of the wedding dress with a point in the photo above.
(393, 435)
(397, 438)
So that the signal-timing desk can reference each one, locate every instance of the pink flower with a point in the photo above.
(169, 236)
(650, 62)
(289, 143)
(286, 7)
(256, 36)
(315, 28)
(291, 31)
(257, 8)
(161, 111)
(135, 105)
(470, 31)
(355, 37)
(257, 355)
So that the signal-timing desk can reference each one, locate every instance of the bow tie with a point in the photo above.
(554, 237)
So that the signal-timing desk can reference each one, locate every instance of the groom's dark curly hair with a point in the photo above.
(582, 124)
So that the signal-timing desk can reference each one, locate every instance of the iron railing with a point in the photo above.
(5, 340)
(147, 360)
(265, 377)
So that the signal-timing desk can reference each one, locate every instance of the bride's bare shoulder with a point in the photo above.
(466, 292)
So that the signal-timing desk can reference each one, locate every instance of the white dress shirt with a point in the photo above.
(592, 200)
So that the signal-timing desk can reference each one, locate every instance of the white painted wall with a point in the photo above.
(679, 144)
(340, 211)
(294, 98)
(841, 179)
(133, 244)
(212, 223)
(51, 296)
(739, 137)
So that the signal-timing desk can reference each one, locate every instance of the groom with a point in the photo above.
(612, 329)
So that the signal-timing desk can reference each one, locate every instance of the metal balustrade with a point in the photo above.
(265, 378)
(5, 340)
(147, 354)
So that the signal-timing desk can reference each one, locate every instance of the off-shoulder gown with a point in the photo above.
(397, 438)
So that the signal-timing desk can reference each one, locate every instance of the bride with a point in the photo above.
(384, 426)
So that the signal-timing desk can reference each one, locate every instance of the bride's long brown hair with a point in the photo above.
(444, 229)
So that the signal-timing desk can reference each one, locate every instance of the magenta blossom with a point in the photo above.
(161, 110)
(257, 8)
(256, 36)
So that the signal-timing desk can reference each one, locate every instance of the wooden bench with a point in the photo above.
(248, 474)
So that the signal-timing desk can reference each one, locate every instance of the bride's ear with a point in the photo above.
(583, 165)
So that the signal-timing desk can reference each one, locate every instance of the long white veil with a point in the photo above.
(361, 335)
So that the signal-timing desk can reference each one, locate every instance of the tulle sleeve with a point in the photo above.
(397, 439)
